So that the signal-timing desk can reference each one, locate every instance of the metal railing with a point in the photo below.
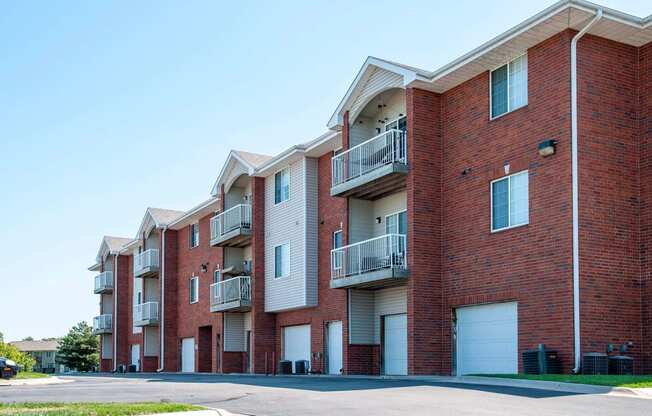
(148, 258)
(102, 322)
(386, 251)
(147, 311)
(233, 218)
(237, 288)
(104, 280)
(386, 148)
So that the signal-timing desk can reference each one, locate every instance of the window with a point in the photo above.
(338, 239)
(509, 201)
(282, 260)
(282, 186)
(194, 235)
(194, 289)
(217, 276)
(396, 223)
(509, 87)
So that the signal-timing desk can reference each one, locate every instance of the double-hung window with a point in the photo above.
(194, 289)
(217, 276)
(509, 201)
(282, 260)
(509, 87)
(194, 235)
(282, 186)
(338, 241)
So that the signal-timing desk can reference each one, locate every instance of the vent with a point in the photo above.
(621, 365)
(595, 363)
(541, 361)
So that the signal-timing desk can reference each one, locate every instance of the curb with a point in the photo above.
(35, 382)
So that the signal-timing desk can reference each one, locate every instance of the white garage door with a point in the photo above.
(188, 355)
(395, 345)
(334, 347)
(487, 339)
(135, 356)
(296, 343)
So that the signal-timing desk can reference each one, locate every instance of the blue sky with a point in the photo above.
(109, 107)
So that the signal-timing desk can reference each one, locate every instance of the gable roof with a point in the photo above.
(195, 213)
(253, 159)
(109, 245)
(565, 14)
(40, 345)
(157, 218)
(237, 163)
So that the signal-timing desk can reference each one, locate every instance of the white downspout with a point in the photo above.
(576, 225)
(161, 324)
(115, 312)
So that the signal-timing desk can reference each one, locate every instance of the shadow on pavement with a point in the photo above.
(330, 384)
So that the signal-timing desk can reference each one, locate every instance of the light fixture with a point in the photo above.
(378, 220)
(204, 267)
(547, 147)
(466, 171)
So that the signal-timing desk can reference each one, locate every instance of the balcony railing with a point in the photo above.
(145, 262)
(146, 314)
(233, 293)
(104, 282)
(385, 149)
(384, 252)
(102, 324)
(229, 221)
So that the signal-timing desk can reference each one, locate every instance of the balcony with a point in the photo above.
(147, 263)
(103, 324)
(232, 295)
(146, 314)
(232, 228)
(104, 283)
(373, 169)
(375, 263)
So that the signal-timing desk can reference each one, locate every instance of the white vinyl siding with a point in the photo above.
(137, 299)
(107, 346)
(509, 87)
(107, 303)
(377, 81)
(152, 341)
(293, 223)
(509, 201)
(367, 307)
(194, 289)
(363, 214)
(234, 332)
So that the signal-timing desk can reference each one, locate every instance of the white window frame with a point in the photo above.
(527, 87)
(397, 214)
(284, 272)
(215, 272)
(337, 260)
(285, 170)
(509, 195)
(194, 283)
(193, 230)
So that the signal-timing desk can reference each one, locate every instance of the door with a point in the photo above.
(296, 344)
(135, 356)
(487, 339)
(188, 355)
(395, 345)
(334, 347)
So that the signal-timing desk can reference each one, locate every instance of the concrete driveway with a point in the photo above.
(288, 396)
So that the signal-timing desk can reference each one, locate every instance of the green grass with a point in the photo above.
(612, 381)
(27, 375)
(92, 409)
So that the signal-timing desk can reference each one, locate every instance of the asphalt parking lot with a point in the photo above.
(288, 396)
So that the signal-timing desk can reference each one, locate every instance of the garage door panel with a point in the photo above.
(487, 339)
(395, 345)
(188, 355)
(296, 344)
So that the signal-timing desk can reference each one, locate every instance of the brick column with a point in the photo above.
(262, 324)
(426, 320)
(170, 338)
(123, 294)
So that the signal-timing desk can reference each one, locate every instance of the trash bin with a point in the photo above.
(285, 367)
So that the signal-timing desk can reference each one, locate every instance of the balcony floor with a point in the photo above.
(102, 331)
(375, 184)
(240, 237)
(235, 306)
(146, 322)
(104, 290)
(151, 271)
(376, 279)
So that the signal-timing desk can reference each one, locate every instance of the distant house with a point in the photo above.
(44, 352)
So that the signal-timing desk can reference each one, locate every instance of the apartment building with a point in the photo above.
(446, 222)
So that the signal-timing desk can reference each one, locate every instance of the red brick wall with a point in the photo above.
(196, 315)
(530, 264)
(609, 195)
(106, 365)
(172, 349)
(645, 131)
(424, 214)
(122, 294)
(262, 324)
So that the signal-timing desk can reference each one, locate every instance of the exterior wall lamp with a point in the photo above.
(547, 148)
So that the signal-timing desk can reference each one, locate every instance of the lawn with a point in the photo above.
(92, 409)
(27, 375)
(613, 381)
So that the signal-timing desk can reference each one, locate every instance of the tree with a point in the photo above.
(28, 339)
(79, 349)
(21, 358)
(2, 338)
